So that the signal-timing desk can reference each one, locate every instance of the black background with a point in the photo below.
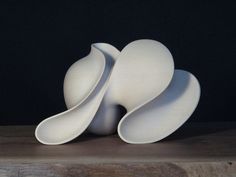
(39, 41)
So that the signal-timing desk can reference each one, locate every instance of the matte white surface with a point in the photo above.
(165, 114)
(83, 76)
(142, 71)
(66, 126)
(139, 79)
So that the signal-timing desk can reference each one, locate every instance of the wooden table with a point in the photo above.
(196, 149)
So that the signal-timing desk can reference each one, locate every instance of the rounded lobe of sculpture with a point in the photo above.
(106, 118)
(67, 125)
(143, 70)
(83, 76)
(163, 115)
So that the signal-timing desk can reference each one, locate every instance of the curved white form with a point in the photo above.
(83, 76)
(66, 126)
(142, 71)
(136, 89)
(165, 114)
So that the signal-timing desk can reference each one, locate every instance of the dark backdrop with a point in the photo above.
(39, 41)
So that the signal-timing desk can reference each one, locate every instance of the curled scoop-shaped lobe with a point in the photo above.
(143, 70)
(166, 113)
(67, 125)
(83, 76)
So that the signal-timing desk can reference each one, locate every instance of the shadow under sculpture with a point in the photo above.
(141, 79)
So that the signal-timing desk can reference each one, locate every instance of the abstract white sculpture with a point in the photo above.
(141, 78)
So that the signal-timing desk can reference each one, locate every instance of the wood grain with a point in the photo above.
(197, 149)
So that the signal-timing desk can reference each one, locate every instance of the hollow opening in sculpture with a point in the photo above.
(106, 119)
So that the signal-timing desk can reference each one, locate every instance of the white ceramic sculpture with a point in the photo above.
(165, 114)
(142, 71)
(141, 78)
(92, 72)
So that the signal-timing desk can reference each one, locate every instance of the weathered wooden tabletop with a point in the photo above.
(196, 149)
